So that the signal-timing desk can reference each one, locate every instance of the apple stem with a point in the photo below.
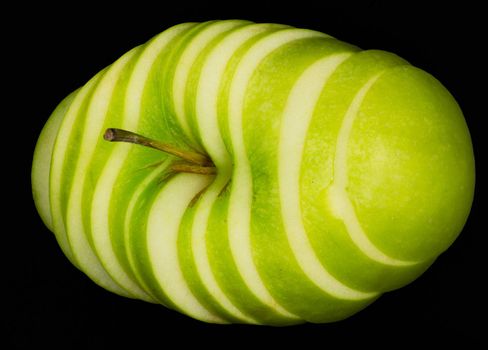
(195, 169)
(120, 135)
(197, 162)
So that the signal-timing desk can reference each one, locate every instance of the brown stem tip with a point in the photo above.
(109, 134)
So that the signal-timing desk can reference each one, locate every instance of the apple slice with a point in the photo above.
(79, 224)
(335, 231)
(189, 63)
(61, 177)
(431, 126)
(41, 170)
(177, 66)
(205, 93)
(98, 195)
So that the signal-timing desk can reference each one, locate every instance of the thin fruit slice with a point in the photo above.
(60, 182)
(41, 164)
(163, 226)
(102, 102)
(105, 201)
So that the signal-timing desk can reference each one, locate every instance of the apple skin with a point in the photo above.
(341, 174)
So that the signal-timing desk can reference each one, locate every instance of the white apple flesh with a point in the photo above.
(336, 174)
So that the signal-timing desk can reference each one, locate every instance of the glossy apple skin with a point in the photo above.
(341, 174)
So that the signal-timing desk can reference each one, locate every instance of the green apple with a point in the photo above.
(289, 177)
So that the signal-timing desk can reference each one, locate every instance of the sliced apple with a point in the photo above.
(290, 177)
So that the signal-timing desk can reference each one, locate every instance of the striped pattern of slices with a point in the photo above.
(273, 106)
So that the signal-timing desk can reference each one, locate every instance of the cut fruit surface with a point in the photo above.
(290, 177)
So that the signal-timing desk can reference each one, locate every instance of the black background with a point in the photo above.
(50, 51)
